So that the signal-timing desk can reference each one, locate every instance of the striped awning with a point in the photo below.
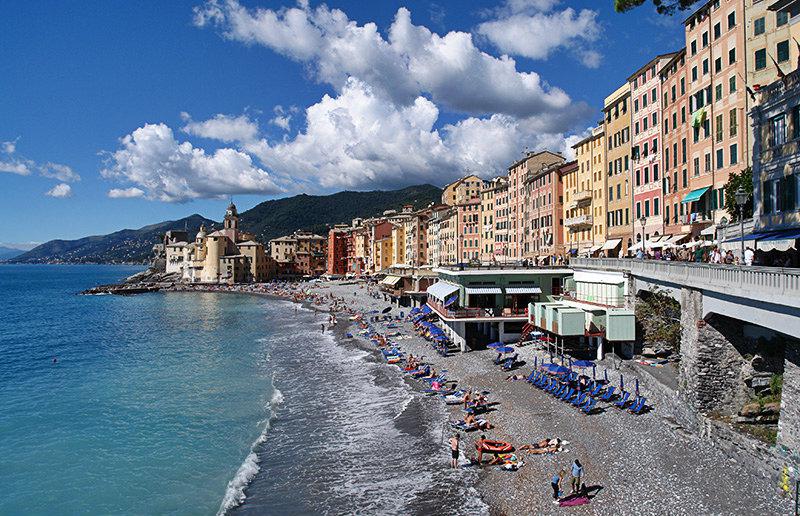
(530, 289)
(390, 280)
(483, 290)
(440, 290)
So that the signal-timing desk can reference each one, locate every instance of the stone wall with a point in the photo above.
(789, 422)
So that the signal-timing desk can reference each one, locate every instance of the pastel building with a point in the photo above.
(617, 127)
(545, 191)
(583, 196)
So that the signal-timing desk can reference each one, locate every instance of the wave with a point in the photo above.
(234, 493)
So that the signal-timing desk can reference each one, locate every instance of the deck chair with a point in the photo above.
(596, 390)
(638, 405)
(581, 399)
(623, 400)
(589, 405)
(608, 394)
(568, 394)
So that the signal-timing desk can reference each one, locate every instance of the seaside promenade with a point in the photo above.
(646, 464)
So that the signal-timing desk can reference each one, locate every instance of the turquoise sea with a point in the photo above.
(200, 404)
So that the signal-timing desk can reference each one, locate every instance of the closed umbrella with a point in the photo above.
(496, 345)
(621, 383)
(637, 386)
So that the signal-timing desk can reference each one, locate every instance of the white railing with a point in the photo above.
(580, 220)
(769, 284)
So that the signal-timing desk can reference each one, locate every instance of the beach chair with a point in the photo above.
(589, 405)
(553, 386)
(580, 399)
(596, 390)
(623, 399)
(568, 394)
(638, 405)
(608, 394)
(531, 377)
(558, 389)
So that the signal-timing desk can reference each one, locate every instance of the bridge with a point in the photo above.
(736, 323)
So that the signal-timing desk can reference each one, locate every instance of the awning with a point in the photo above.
(441, 290)
(709, 231)
(788, 234)
(483, 290)
(523, 290)
(390, 280)
(610, 245)
(595, 248)
(695, 195)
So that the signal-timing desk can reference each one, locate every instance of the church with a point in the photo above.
(227, 255)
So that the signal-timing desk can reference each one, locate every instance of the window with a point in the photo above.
(644, 124)
(705, 39)
(610, 193)
(666, 213)
(732, 84)
(685, 179)
(646, 208)
(778, 130)
(655, 119)
(619, 190)
(694, 73)
(644, 100)
(707, 163)
(718, 127)
(717, 30)
(783, 51)
(731, 56)
(636, 128)
(655, 206)
(636, 105)
(646, 175)
(693, 46)
(717, 65)
(672, 93)
(781, 18)
(655, 172)
(666, 158)
(796, 122)
(653, 95)
(718, 92)
(732, 20)
(705, 66)
(720, 154)
(732, 119)
(683, 86)
(734, 154)
(761, 59)
(696, 163)
(683, 150)
(674, 120)
(638, 178)
(683, 114)
(758, 26)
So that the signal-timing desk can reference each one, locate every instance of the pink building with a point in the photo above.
(468, 239)
(646, 144)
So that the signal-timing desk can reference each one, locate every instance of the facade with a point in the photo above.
(769, 33)
(228, 255)
(617, 126)
(468, 227)
(584, 197)
(501, 220)
(462, 190)
(776, 161)
(487, 215)
(718, 102)
(338, 237)
(646, 118)
(676, 135)
(518, 216)
(415, 230)
(545, 191)
(380, 240)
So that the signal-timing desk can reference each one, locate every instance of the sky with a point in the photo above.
(117, 114)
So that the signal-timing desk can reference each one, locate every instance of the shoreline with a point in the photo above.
(646, 464)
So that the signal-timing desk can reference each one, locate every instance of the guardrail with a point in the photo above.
(770, 284)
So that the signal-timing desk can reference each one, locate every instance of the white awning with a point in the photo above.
(595, 248)
(612, 244)
(440, 290)
(709, 231)
(390, 280)
(769, 245)
(483, 290)
(523, 290)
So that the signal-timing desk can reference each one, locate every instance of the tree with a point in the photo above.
(662, 6)
(743, 179)
(659, 317)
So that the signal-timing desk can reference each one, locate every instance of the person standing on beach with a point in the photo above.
(577, 474)
(555, 483)
(323, 328)
(454, 451)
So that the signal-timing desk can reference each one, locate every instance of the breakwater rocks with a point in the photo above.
(140, 283)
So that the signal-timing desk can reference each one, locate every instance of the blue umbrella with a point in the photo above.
(496, 345)
(557, 369)
(583, 363)
(504, 349)
(637, 386)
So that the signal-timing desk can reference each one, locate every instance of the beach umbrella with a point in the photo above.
(621, 383)
(583, 363)
(386, 310)
(557, 369)
(504, 349)
(496, 345)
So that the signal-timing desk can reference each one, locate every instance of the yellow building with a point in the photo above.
(584, 199)
(463, 190)
(619, 198)
(398, 244)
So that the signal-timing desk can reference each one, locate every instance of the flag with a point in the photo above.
(781, 75)
(750, 92)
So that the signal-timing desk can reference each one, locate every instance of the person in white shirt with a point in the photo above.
(748, 256)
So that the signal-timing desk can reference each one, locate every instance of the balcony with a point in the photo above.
(579, 199)
(579, 222)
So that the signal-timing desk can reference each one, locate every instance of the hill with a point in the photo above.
(279, 217)
(266, 220)
(125, 246)
(7, 253)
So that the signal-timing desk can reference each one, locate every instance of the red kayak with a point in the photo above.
(495, 447)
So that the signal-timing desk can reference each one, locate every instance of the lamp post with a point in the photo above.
(643, 221)
(741, 200)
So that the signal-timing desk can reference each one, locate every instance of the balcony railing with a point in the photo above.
(579, 221)
(477, 313)
(581, 199)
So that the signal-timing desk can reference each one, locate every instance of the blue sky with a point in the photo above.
(213, 99)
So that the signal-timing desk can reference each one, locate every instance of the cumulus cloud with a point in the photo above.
(59, 171)
(537, 34)
(61, 190)
(151, 159)
(125, 193)
(224, 128)
(13, 163)
(357, 140)
(283, 117)
(409, 62)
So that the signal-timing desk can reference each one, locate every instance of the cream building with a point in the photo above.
(584, 199)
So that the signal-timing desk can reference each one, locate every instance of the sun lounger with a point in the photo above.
(568, 394)
(560, 391)
(623, 400)
(531, 377)
(608, 394)
(580, 399)
(589, 405)
(596, 390)
(638, 405)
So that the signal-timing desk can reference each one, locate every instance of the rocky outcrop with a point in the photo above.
(150, 280)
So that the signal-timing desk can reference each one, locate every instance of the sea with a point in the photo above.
(203, 404)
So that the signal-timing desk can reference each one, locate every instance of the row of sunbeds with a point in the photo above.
(586, 399)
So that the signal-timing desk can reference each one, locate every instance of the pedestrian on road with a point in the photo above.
(555, 483)
(577, 474)
(454, 450)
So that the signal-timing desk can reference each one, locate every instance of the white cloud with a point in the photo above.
(410, 62)
(357, 140)
(125, 193)
(151, 159)
(16, 166)
(61, 190)
(223, 127)
(283, 117)
(8, 147)
(536, 35)
(58, 171)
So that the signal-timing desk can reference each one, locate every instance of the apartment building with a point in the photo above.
(501, 220)
(468, 239)
(617, 127)
(462, 190)
(581, 199)
(489, 195)
(545, 190)
(768, 37)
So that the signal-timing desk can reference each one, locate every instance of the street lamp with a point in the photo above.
(643, 221)
(741, 200)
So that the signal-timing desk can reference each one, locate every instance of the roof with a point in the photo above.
(595, 134)
(217, 233)
(249, 242)
(680, 53)
(533, 155)
(618, 94)
(177, 244)
(284, 239)
(650, 63)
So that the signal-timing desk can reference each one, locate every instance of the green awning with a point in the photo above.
(698, 117)
(695, 195)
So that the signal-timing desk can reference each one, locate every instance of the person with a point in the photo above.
(748, 256)
(729, 259)
(577, 473)
(454, 450)
(555, 483)
(479, 448)
(467, 398)
(323, 328)
(639, 254)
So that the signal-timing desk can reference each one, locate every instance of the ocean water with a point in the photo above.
(203, 403)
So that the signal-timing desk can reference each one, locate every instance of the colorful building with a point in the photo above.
(583, 196)
(545, 191)
(617, 126)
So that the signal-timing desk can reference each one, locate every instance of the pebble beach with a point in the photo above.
(633, 464)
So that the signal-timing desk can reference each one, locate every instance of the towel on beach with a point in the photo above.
(572, 501)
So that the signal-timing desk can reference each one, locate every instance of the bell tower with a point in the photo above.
(231, 217)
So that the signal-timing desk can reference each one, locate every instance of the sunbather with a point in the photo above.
(515, 377)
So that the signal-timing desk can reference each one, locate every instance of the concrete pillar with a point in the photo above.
(789, 422)
(502, 331)
(599, 348)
